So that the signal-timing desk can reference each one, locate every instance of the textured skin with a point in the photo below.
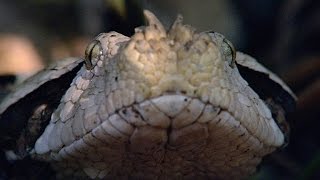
(159, 105)
(52, 72)
(22, 106)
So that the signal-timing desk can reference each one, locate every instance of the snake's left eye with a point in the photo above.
(226, 46)
(92, 54)
(229, 52)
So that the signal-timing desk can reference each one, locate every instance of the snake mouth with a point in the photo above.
(169, 134)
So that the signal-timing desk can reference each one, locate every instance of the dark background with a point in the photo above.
(284, 35)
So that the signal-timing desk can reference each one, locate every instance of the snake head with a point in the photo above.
(177, 99)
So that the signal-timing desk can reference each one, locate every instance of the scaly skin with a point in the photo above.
(159, 105)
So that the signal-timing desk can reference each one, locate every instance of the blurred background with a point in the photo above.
(283, 35)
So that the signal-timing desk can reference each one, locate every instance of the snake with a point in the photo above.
(161, 104)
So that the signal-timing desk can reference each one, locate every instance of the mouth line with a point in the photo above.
(162, 130)
(204, 139)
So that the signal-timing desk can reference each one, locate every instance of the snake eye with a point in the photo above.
(227, 48)
(229, 52)
(92, 53)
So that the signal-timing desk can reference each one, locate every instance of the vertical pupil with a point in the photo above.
(91, 51)
(230, 51)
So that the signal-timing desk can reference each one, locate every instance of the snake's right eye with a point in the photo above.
(92, 53)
